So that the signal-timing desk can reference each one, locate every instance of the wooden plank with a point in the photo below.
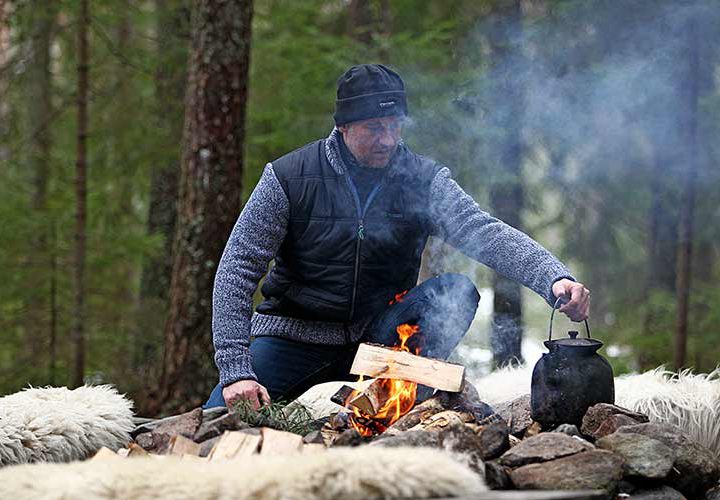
(280, 442)
(379, 361)
(180, 445)
(234, 444)
(371, 399)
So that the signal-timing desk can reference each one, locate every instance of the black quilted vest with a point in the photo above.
(338, 263)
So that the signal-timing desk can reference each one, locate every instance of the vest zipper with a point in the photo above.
(361, 211)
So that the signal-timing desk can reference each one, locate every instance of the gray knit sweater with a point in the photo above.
(262, 226)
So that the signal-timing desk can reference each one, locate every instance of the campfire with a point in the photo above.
(398, 396)
(396, 371)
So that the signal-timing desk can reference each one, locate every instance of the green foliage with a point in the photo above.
(276, 416)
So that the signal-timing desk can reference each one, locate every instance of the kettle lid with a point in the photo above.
(574, 341)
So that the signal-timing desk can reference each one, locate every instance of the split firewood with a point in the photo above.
(180, 445)
(280, 442)
(123, 452)
(234, 444)
(105, 454)
(193, 458)
(372, 399)
(136, 451)
(379, 361)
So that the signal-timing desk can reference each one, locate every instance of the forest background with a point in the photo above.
(131, 131)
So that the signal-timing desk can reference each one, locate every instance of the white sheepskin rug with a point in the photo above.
(689, 400)
(355, 473)
(56, 424)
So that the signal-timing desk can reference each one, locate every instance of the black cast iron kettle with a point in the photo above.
(569, 379)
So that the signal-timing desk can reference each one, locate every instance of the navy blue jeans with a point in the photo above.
(443, 307)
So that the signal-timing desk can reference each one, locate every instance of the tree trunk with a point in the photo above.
(81, 194)
(39, 105)
(360, 21)
(689, 94)
(52, 330)
(506, 191)
(172, 33)
(4, 50)
(209, 201)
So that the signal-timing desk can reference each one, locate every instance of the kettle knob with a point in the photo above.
(573, 334)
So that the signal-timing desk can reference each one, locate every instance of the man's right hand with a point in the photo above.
(249, 390)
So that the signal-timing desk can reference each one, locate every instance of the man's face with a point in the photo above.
(373, 142)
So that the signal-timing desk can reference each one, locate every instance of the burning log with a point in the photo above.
(379, 361)
(372, 399)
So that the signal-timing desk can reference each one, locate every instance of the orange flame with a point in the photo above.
(401, 394)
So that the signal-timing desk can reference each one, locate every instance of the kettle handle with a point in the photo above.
(552, 314)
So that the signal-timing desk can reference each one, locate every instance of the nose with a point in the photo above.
(387, 139)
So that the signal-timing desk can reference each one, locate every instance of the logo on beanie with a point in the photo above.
(387, 104)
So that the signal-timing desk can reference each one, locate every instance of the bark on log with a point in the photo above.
(372, 399)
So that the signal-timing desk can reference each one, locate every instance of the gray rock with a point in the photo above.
(215, 427)
(497, 477)
(459, 439)
(569, 429)
(350, 437)
(695, 470)
(644, 456)
(410, 438)
(589, 470)
(149, 424)
(207, 445)
(314, 437)
(612, 424)
(713, 494)
(598, 413)
(542, 448)
(145, 441)
(494, 440)
(661, 493)
(517, 414)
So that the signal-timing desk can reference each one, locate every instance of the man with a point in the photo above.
(346, 219)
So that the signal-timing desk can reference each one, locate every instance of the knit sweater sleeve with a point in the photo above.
(459, 221)
(253, 243)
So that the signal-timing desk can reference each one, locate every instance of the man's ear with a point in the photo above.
(343, 129)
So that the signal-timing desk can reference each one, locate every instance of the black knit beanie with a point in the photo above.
(369, 91)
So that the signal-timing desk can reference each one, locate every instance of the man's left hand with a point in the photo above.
(577, 305)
